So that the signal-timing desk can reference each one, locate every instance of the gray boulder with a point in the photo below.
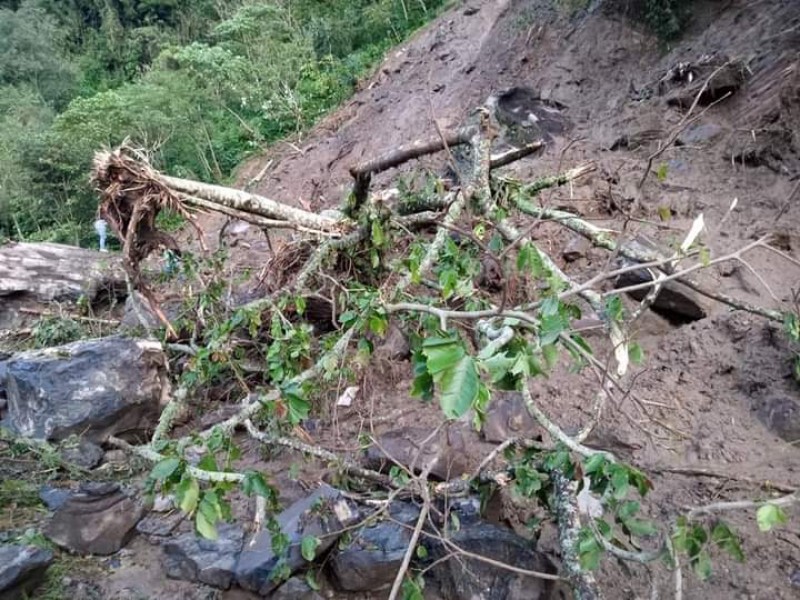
(213, 562)
(98, 519)
(371, 561)
(93, 388)
(322, 514)
(53, 497)
(21, 570)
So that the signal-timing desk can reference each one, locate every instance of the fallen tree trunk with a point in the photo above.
(41, 273)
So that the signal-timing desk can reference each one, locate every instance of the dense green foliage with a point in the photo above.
(201, 83)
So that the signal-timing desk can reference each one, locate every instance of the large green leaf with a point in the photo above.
(458, 387)
(442, 353)
(165, 468)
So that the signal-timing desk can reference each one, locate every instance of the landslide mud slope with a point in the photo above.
(719, 392)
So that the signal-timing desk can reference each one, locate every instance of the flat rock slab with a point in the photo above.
(193, 558)
(21, 570)
(451, 453)
(43, 272)
(98, 519)
(92, 388)
(320, 514)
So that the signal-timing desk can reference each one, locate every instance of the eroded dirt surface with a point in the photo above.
(714, 396)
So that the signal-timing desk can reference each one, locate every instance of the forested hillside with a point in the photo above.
(203, 83)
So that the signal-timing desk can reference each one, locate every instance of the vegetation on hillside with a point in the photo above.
(203, 82)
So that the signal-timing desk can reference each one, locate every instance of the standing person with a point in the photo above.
(101, 227)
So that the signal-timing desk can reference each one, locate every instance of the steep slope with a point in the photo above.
(720, 393)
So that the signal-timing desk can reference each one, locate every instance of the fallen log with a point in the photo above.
(35, 274)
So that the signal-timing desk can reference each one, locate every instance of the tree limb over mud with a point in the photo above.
(461, 273)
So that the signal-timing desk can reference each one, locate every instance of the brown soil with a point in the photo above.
(717, 392)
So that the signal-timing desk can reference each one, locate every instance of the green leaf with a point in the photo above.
(422, 552)
(308, 547)
(448, 280)
(300, 305)
(208, 463)
(378, 236)
(640, 527)
(619, 481)
(165, 468)
(550, 328)
(724, 537)
(627, 510)
(528, 258)
(702, 565)
(550, 306)
(455, 521)
(635, 353)
(661, 172)
(550, 354)
(188, 493)
(459, 387)
(412, 590)
(442, 353)
(311, 581)
(664, 213)
(254, 483)
(595, 463)
(770, 515)
(205, 527)
(378, 324)
(498, 366)
(705, 256)
(589, 550)
(348, 317)
(614, 308)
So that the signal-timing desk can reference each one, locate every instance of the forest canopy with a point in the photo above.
(204, 83)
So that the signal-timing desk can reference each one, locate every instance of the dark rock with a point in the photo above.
(193, 558)
(92, 388)
(159, 525)
(526, 117)
(675, 302)
(371, 560)
(138, 315)
(692, 81)
(769, 148)
(467, 509)
(98, 519)
(577, 248)
(632, 141)
(507, 417)
(319, 514)
(21, 570)
(84, 454)
(469, 578)
(446, 454)
(395, 345)
(295, 589)
(53, 497)
(699, 134)
(781, 415)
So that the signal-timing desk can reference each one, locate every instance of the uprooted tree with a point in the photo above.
(486, 309)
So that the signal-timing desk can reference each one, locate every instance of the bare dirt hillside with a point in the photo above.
(721, 410)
